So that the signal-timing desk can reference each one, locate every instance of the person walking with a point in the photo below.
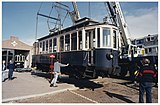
(57, 72)
(3, 71)
(11, 68)
(146, 76)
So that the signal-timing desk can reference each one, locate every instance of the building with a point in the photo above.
(17, 51)
(149, 43)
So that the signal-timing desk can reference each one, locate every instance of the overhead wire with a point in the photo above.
(49, 16)
(36, 34)
(89, 10)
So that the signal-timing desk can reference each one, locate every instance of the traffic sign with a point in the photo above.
(52, 56)
(51, 66)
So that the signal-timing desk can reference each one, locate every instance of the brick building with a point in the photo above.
(16, 50)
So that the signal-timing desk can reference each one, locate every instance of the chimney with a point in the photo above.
(13, 38)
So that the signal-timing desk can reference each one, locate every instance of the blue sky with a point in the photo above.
(19, 18)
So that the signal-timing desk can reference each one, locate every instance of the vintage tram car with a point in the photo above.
(91, 48)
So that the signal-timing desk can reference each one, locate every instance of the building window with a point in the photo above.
(106, 37)
(74, 41)
(139, 41)
(152, 38)
(148, 39)
(67, 42)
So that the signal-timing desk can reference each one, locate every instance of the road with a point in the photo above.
(101, 90)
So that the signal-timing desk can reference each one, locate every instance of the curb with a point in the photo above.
(37, 95)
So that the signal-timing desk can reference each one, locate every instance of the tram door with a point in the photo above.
(90, 44)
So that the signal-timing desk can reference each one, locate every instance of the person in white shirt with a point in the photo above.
(57, 72)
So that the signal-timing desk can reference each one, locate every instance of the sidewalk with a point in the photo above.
(26, 85)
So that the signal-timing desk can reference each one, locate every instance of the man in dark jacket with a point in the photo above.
(11, 68)
(146, 77)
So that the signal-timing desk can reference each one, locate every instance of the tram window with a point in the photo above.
(61, 43)
(80, 40)
(94, 40)
(74, 41)
(106, 37)
(40, 45)
(50, 45)
(86, 44)
(89, 39)
(149, 50)
(43, 46)
(98, 37)
(146, 51)
(46, 45)
(67, 42)
(54, 45)
(114, 39)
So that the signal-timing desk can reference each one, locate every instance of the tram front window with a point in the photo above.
(114, 39)
(106, 37)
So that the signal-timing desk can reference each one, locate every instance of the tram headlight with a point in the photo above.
(109, 56)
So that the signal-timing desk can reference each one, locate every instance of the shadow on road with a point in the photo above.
(121, 97)
(41, 74)
(84, 83)
(130, 85)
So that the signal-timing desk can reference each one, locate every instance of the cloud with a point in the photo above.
(143, 24)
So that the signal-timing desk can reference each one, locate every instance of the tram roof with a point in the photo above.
(78, 24)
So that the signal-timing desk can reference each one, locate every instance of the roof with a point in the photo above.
(80, 23)
(15, 43)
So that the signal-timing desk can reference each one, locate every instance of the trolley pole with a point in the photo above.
(51, 67)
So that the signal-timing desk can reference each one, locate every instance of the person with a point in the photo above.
(156, 79)
(146, 76)
(26, 64)
(11, 68)
(3, 71)
(57, 72)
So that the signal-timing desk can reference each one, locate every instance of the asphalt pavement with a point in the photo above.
(31, 84)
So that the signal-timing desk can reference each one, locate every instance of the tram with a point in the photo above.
(90, 47)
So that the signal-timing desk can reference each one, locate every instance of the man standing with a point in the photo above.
(147, 75)
(57, 72)
(11, 68)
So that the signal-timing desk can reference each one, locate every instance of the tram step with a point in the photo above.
(89, 71)
(88, 76)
